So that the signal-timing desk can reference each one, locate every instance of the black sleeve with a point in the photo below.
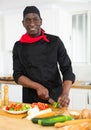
(17, 67)
(65, 63)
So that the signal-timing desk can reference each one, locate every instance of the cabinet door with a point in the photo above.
(14, 92)
(89, 99)
(78, 99)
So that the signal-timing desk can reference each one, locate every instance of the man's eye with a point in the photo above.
(27, 20)
(35, 19)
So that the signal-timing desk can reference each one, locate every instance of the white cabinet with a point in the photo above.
(14, 91)
(80, 98)
(89, 99)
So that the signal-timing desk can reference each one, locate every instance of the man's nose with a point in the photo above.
(32, 23)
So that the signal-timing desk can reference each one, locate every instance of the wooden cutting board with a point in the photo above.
(3, 113)
(59, 111)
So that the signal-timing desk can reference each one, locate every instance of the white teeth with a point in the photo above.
(32, 29)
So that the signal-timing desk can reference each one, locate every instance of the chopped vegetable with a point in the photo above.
(18, 107)
(74, 114)
(40, 105)
(56, 104)
(35, 112)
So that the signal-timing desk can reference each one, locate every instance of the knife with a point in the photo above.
(53, 103)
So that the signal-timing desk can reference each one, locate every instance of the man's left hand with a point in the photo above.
(64, 100)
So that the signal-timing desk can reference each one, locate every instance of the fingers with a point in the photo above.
(44, 96)
(64, 101)
(43, 93)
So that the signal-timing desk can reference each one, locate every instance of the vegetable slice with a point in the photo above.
(56, 104)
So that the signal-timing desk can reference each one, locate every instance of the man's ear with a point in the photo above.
(41, 21)
(23, 23)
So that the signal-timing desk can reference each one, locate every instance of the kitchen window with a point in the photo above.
(81, 37)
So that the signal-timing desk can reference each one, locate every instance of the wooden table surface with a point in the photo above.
(8, 123)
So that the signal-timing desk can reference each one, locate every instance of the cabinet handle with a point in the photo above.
(87, 98)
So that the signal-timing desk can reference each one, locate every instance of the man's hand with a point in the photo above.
(64, 100)
(43, 92)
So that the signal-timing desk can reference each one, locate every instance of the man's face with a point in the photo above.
(32, 23)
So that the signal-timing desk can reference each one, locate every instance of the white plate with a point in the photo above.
(15, 112)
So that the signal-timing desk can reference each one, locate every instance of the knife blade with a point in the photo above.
(51, 101)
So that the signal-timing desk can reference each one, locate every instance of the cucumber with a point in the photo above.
(52, 120)
(56, 104)
(35, 120)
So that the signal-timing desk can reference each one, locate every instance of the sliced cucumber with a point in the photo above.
(56, 104)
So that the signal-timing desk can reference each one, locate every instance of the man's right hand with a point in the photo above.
(43, 92)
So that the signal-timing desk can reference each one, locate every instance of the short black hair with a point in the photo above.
(31, 9)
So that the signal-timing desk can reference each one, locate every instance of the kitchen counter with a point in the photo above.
(81, 85)
(77, 84)
(7, 82)
(8, 123)
(12, 123)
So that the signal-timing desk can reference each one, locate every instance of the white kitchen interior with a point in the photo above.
(69, 19)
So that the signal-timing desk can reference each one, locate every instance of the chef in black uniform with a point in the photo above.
(41, 63)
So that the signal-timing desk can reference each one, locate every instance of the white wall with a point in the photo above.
(83, 72)
(6, 64)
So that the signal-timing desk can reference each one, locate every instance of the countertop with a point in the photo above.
(9, 123)
(81, 85)
(77, 84)
(7, 82)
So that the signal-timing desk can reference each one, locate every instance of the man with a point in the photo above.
(35, 63)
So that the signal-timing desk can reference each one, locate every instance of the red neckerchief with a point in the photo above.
(26, 38)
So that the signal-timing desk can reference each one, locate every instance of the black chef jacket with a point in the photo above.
(42, 62)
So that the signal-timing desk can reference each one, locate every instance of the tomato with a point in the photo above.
(18, 107)
(7, 108)
(40, 105)
(34, 105)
